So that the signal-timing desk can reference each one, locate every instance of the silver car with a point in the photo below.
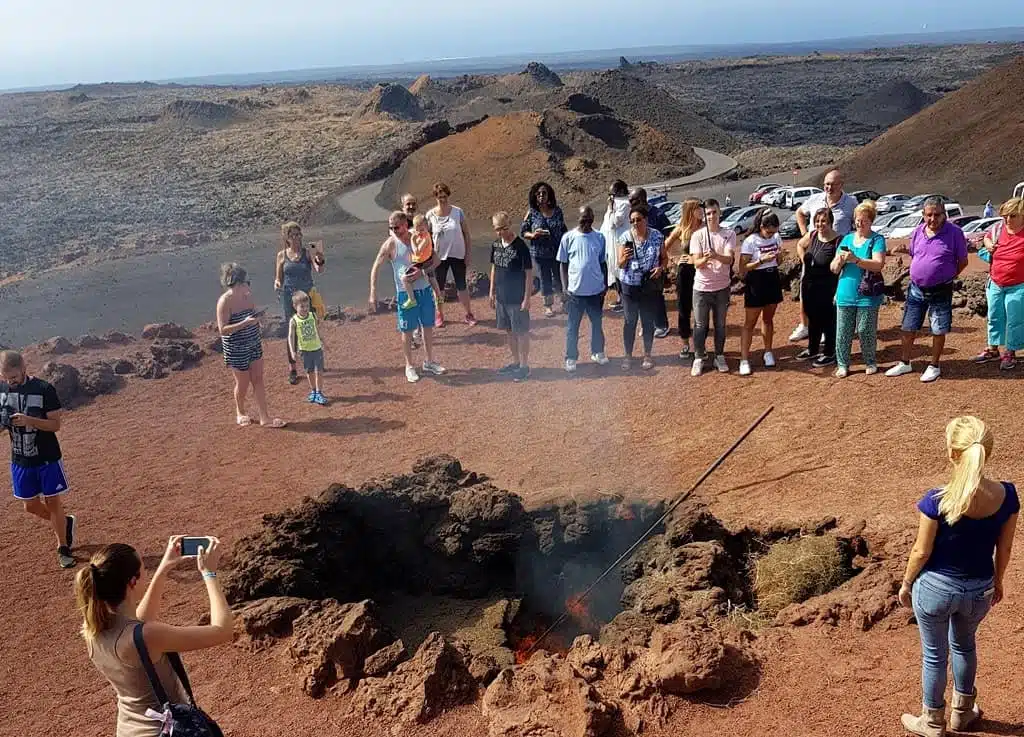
(891, 203)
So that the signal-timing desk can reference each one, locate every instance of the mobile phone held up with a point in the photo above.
(190, 545)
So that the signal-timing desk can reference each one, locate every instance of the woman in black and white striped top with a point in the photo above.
(242, 343)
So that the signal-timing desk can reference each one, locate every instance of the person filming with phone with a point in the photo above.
(116, 602)
(293, 272)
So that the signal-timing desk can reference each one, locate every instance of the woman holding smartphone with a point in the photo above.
(543, 227)
(113, 599)
(955, 574)
(760, 255)
(293, 272)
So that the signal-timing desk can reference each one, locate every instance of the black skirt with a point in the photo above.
(762, 288)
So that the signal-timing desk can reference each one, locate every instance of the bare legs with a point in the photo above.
(519, 347)
(241, 389)
(750, 316)
(51, 509)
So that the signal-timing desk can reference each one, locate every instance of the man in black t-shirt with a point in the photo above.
(511, 277)
(30, 411)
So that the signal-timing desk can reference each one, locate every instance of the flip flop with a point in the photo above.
(274, 424)
(243, 420)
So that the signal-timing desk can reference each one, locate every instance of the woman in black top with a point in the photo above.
(818, 288)
(544, 226)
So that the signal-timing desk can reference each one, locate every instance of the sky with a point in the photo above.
(49, 42)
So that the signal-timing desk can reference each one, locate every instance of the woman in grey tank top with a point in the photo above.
(293, 272)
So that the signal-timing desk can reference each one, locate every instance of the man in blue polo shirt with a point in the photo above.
(585, 276)
(938, 253)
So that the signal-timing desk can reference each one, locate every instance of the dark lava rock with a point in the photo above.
(392, 101)
(64, 379)
(274, 328)
(90, 341)
(586, 104)
(123, 367)
(165, 330)
(970, 294)
(215, 344)
(176, 354)
(147, 368)
(57, 346)
(385, 660)
(116, 337)
(541, 74)
(896, 275)
(272, 617)
(97, 378)
(478, 284)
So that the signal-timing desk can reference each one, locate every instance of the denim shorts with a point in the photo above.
(938, 307)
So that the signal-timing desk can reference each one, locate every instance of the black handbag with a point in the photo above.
(872, 283)
(179, 720)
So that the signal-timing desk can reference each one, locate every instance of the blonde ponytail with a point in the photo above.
(102, 585)
(969, 443)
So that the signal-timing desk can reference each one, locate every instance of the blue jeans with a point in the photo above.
(593, 306)
(937, 306)
(948, 612)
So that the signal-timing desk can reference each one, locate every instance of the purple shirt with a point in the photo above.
(936, 260)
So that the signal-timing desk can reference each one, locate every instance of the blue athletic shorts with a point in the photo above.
(46, 480)
(422, 315)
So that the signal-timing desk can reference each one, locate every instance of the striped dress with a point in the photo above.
(241, 349)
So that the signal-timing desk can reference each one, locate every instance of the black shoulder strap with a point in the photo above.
(154, 680)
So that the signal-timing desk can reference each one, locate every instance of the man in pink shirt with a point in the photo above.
(712, 250)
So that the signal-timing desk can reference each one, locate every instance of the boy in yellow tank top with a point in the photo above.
(304, 338)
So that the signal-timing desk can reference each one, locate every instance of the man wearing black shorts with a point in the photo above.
(30, 411)
(511, 276)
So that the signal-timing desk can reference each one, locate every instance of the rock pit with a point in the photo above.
(425, 591)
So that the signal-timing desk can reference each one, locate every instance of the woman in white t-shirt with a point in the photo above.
(711, 253)
(760, 255)
(453, 245)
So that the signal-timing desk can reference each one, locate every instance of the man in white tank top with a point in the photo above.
(397, 249)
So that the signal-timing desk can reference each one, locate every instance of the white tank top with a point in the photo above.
(402, 262)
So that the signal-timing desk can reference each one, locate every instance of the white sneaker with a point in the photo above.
(842, 372)
(570, 365)
(931, 374)
(871, 370)
(599, 358)
(900, 369)
(410, 375)
(721, 364)
(799, 333)
(698, 367)
(744, 368)
(769, 359)
(433, 367)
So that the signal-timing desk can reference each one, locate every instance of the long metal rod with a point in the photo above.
(671, 508)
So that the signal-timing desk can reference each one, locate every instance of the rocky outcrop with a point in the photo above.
(168, 330)
(390, 101)
(57, 346)
(64, 379)
(96, 379)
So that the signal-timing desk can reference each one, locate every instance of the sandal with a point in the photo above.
(274, 424)
(243, 420)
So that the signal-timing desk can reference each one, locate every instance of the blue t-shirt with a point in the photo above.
(584, 253)
(966, 549)
(849, 278)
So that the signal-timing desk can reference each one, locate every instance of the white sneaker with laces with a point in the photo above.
(900, 369)
(842, 372)
(769, 359)
(433, 367)
(698, 367)
(721, 365)
(570, 365)
(599, 358)
(744, 368)
(931, 374)
(799, 333)
(410, 374)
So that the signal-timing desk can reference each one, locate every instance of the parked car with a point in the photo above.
(760, 191)
(775, 197)
(797, 196)
(742, 221)
(905, 229)
(976, 230)
(790, 228)
(891, 203)
(962, 220)
(863, 195)
(672, 210)
(882, 222)
(898, 220)
(1018, 191)
(916, 203)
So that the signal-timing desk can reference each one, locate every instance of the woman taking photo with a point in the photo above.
(951, 579)
(677, 245)
(113, 598)
(543, 227)
(858, 297)
(642, 261)
(1005, 290)
(614, 226)
(241, 341)
(453, 245)
(759, 268)
(711, 252)
(817, 250)
(293, 272)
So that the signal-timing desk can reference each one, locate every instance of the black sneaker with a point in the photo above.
(522, 374)
(293, 378)
(511, 370)
(617, 307)
(823, 361)
(804, 355)
(65, 558)
(69, 529)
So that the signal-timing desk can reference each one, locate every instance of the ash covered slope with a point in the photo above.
(969, 144)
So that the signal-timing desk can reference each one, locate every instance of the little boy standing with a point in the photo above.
(304, 338)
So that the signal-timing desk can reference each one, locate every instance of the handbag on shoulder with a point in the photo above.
(872, 283)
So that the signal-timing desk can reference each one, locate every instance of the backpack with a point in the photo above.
(179, 720)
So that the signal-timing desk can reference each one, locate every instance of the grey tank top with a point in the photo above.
(401, 263)
(298, 275)
(127, 676)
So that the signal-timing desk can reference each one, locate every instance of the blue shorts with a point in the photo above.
(938, 306)
(422, 315)
(46, 480)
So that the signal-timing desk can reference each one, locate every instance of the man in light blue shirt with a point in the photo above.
(585, 274)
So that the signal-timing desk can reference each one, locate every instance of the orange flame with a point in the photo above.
(525, 649)
(625, 513)
(577, 609)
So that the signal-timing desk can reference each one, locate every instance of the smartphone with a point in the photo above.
(190, 545)
(844, 248)
(317, 247)
(260, 313)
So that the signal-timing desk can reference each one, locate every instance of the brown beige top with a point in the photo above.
(127, 676)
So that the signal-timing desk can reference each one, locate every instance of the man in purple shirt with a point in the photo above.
(938, 253)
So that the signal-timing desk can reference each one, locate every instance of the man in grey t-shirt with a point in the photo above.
(842, 206)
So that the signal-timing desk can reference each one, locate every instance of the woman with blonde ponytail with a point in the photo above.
(677, 248)
(955, 574)
(113, 601)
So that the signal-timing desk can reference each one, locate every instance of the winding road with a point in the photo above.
(361, 203)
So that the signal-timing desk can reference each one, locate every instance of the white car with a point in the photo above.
(797, 196)
(883, 222)
(906, 228)
(775, 197)
(1018, 191)
(891, 203)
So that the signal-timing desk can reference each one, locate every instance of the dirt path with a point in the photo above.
(163, 457)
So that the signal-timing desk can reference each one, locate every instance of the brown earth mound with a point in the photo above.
(968, 145)
(535, 78)
(890, 104)
(491, 166)
(201, 113)
(391, 101)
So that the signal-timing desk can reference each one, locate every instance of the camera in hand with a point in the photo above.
(190, 545)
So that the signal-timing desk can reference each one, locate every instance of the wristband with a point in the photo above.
(209, 574)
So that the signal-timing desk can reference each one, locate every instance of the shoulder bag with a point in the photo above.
(872, 283)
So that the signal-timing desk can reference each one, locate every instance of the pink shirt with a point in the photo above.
(714, 275)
